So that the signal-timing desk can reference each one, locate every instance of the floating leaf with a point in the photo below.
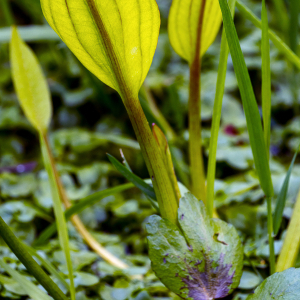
(203, 261)
(184, 24)
(284, 285)
(30, 84)
(115, 40)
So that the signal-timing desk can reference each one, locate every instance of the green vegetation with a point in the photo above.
(149, 151)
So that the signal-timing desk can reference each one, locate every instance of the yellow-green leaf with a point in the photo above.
(185, 22)
(30, 83)
(115, 40)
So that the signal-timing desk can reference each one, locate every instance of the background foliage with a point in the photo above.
(89, 120)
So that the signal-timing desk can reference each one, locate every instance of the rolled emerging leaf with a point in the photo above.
(30, 83)
(163, 146)
(115, 40)
(185, 23)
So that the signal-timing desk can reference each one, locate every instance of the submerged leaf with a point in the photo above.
(115, 40)
(284, 285)
(184, 23)
(30, 84)
(201, 262)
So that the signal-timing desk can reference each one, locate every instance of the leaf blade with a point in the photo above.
(191, 260)
(282, 196)
(249, 102)
(30, 83)
(283, 285)
(183, 25)
(138, 182)
(115, 40)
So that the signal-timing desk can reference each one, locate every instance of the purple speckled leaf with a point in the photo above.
(202, 259)
(210, 284)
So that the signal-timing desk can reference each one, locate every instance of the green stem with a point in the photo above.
(168, 130)
(277, 41)
(31, 265)
(270, 234)
(291, 244)
(167, 200)
(216, 118)
(194, 112)
(58, 210)
(266, 78)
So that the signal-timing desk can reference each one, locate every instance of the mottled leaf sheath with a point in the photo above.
(284, 285)
(202, 260)
(183, 25)
(115, 40)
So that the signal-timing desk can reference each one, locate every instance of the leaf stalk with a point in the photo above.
(194, 113)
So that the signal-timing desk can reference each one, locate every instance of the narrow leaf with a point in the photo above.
(31, 265)
(201, 260)
(282, 196)
(277, 41)
(283, 285)
(48, 266)
(115, 40)
(266, 76)
(32, 290)
(30, 84)
(137, 181)
(249, 102)
(184, 24)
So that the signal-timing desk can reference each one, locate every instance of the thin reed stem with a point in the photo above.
(270, 234)
(194, 112)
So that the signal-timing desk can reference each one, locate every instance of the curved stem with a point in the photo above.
(90, 240)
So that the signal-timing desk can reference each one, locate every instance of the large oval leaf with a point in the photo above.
(203, 261)
(280, 286)
(115, 40)
(185, 21)
(30, 84)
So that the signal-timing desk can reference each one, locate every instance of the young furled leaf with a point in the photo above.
(184, 24)
(30, 83)
(284, 285)
(202, 260)
(163, 146)
(115, 40)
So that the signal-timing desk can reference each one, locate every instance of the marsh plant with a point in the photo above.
(193, 252)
